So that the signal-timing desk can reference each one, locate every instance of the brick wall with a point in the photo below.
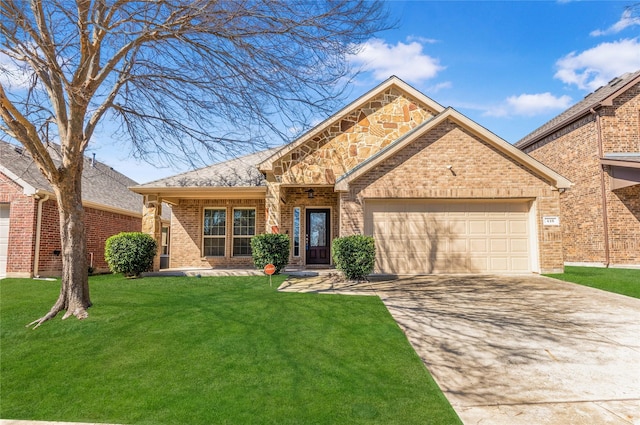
(481, 172)
(187, 232)
(323, 197)
(22, 220)
(22, 233)
(573, 152)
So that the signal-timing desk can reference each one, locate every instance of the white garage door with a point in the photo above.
(417, 236)
(4, 238)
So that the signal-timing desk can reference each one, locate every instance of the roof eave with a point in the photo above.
(27, 189)
(608, 101)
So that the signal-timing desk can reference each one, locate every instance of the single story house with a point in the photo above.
(438, 192)
(596, 144)
(29, 221)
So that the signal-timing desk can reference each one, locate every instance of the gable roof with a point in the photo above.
(603, 96)
(102, 186)
(342, 184)
(392, 81)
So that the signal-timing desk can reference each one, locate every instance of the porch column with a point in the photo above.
(272, 214)
(152, 223)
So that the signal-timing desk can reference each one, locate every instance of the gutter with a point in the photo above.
(603, 192)
(36, 257)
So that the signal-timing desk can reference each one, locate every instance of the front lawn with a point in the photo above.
(219, 350)
(620, 281)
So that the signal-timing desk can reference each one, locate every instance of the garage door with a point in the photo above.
(418, 236)
(4, 238)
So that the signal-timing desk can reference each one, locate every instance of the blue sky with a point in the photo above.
(510, 65)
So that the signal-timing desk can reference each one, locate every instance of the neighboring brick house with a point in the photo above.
(596, 145)
(29, 221)
(438, 192)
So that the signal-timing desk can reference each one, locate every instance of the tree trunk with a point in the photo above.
(74, 293)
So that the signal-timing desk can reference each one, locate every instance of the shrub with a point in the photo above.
(130, 253)
(270, 248)
(354, 255)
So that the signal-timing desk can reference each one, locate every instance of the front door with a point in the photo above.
(318, 237)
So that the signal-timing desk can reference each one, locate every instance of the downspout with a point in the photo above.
(36, 257)
(603, 192)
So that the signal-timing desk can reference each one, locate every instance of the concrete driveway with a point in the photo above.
(516, 349)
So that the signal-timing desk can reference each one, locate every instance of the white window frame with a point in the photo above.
(235, 236)
(296, 231)
(223, 236)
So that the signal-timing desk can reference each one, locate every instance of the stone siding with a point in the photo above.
(479, 171)
(352, 139)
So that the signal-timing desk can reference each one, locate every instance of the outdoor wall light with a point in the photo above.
(310, 193)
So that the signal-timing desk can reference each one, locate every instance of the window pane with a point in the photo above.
(318, 229)
(244, 222)
(215, 222)
(241, 246)
(296, 232)
(214, 247)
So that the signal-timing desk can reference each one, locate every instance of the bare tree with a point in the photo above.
(169, 76)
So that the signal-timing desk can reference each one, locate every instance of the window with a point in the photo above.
(215, 224)
(165, 241)
(244, 227)
(296, 232)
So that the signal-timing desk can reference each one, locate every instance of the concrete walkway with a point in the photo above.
(516, 350)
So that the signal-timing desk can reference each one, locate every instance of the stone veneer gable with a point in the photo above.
(351, 140)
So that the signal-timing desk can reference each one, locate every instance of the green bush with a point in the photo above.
(354, 255)
(270, 248)
(130, 253)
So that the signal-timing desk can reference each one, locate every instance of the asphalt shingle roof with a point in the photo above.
(590, 101)
(100, 183)
(238, 172)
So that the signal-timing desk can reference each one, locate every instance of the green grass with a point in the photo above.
(620, 281)
(232, 350)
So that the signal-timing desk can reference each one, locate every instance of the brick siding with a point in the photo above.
(99, 226)
(323, 197)
(573, 152)
(481, 172)
(187, 232)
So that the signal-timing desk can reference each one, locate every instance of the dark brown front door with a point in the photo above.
(318, 237)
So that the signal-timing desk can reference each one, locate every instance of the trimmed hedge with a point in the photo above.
(354, 255)
(270, 248)
(130, 253)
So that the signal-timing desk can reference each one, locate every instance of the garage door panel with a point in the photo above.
(478, 246)
(499, 264)
(518, 227)
(497, 227)
(448, 237)
(477, 227)
(499, 246)
(458, 246)
(519, 246)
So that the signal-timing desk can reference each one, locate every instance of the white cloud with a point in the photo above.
(405, 60)
(11, 75)
(440, 86)
(595, 67)
(422, 40)
(530, 105)
(629, 18)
